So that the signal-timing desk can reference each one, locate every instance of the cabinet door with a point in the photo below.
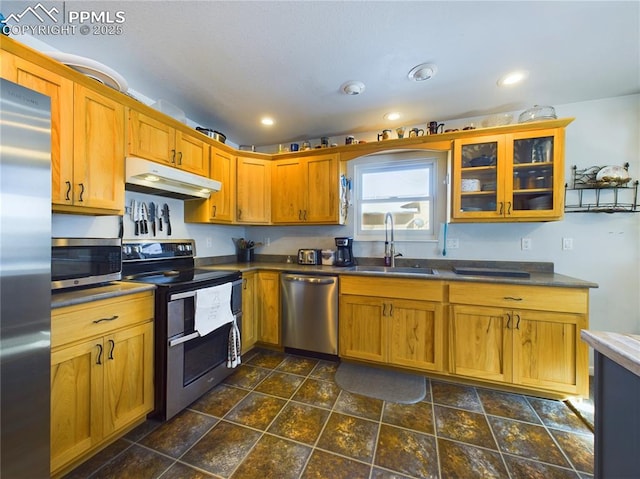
(222, 169)
(76, 400)
(249, 323)
(193, 154)
(478, 178)
(535, 180)
(269, 307)
(289, 192)
(60, 90)
(548, 352)
(482, 342)
(128, 379)
(322, 189)
(416, 334)
(151, 139)
(253, 201)
(98, 151)
(362, 329)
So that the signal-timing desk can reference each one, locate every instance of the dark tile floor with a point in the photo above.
(282, 416)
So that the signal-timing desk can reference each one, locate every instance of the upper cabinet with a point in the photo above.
(219, 207)
(87, 140)
(155, 140)
(306, 190)
(516, 176)
(253, 190)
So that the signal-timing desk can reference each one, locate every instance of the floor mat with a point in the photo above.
(381, 383)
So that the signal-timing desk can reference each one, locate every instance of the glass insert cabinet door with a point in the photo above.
(510, 176)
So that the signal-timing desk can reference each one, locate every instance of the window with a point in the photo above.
(407, 186)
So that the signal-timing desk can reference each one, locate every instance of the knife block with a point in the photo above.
(245, 255)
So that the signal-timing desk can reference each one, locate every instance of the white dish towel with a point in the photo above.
(235, 346)
(213, 308)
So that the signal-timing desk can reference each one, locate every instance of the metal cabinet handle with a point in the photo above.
(501, 207)
(67, 197)
(112, 318)
(512, 298)
(518, 323)
(239, 213)
(113, 346)
(244, 284)
(214, 210)
(509, 208)
(179, 157)
(384, 309)
(81, 191)
(300, 215)
(173, 156)
(390, 309)
(99, 360)
(508, 320)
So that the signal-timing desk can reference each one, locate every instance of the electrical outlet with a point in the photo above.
(526, 244)
(453, 243)
(266, 241)
(567, 243)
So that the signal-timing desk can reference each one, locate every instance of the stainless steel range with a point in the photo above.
(187, 364)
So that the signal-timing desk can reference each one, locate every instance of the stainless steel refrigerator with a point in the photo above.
(25, 281)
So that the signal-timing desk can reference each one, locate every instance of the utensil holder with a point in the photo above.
(245, 255)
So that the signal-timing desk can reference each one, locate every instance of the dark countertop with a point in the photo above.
(111, 290)
(541, 277)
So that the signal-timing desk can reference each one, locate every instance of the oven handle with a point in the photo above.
(191, 294)
(184, 339)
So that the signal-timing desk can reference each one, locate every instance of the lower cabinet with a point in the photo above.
(537, 348)
(101, 374)
(378, 324)
(249, 316)
(268, 307)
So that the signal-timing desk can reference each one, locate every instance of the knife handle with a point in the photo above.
(136, 228)
(168, 228)
(160, 224)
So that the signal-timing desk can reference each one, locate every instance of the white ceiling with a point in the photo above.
(228, 63)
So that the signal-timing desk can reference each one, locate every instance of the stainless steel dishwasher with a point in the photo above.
(310, 313)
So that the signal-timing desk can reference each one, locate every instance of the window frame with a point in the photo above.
(438, 162)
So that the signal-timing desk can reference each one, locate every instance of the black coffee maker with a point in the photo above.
(344, 252)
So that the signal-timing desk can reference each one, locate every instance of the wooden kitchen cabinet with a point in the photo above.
(253, 190)
(526, 336)
(98, 154)
(101, 374)
(517, 176)
(155, 140)
(87, 140)
(268, 307)
(379, 323)
(249, 314)
(306, 190)
(60, 90)
(219, 207)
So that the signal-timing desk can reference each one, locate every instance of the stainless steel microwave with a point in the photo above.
(85, 261)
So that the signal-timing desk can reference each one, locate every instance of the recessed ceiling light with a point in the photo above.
(392, 116)
(267, 121)
(352, 87)
(513, 78)
(422, 72)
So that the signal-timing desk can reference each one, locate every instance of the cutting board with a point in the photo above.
(505, 273)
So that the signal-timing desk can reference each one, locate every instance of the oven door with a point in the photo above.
(194, 363)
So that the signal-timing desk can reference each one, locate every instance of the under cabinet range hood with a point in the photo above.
(146, 176)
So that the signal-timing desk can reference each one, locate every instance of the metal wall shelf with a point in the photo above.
(586, 195)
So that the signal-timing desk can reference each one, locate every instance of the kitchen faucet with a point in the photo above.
(389, 248)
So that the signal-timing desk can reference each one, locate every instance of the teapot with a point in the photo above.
(416, 132)
(434, 126)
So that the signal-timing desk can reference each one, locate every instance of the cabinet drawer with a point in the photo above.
(542, 298)
(417, 289)
(80, 322)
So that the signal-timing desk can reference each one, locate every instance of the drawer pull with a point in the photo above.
(113, 346)
(99, 360)
(384, 309)
(112, 318)
(390, 309)
(518, 323)
(512, 298)
(508, 321)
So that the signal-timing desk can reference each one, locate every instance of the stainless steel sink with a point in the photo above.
(396, 269)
